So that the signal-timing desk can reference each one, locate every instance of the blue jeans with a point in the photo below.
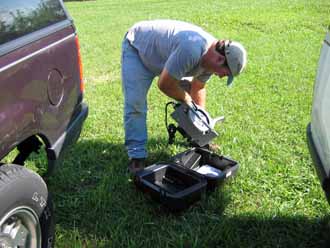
(136, 81)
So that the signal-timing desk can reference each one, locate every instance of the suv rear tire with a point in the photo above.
(26, 211)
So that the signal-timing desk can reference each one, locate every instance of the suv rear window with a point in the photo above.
(20, 17)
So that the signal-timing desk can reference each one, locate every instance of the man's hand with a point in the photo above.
(193, 105)
(188, 100)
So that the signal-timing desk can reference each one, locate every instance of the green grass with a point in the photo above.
(274, 201)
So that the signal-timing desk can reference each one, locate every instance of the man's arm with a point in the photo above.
(170, 87)
(198, 92)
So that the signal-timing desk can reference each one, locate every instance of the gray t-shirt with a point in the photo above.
(175, 45)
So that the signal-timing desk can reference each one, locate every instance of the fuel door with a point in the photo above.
(55, 87)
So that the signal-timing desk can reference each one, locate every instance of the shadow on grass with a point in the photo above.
(96, 200)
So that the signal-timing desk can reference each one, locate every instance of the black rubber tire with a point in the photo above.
(20, 187)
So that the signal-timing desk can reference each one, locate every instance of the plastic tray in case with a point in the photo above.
(185, 178)
(218, 167)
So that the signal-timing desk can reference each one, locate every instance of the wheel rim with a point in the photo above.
(20, 228)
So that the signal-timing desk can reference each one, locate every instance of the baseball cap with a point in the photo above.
(236, 57)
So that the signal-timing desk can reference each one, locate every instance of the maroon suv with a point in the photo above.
(41, 103)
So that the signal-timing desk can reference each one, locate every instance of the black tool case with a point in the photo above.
(183, 180)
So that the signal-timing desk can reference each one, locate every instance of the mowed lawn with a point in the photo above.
(274, 201)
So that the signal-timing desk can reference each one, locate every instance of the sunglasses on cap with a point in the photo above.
(220, 48)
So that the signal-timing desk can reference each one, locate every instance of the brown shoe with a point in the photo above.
(135, 165)
(213, 147)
